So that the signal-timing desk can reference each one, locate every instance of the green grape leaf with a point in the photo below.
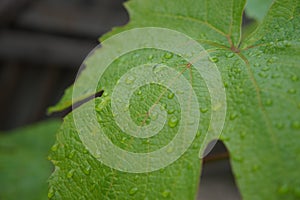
(24, 168)
(261, 78)
(257, 9)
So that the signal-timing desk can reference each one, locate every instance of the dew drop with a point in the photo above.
(275, 76)
(243, 134)
(203, 110)
(180, 92)
(139, 92)
(85, 151)
(238, 158)
(271, 60)
(294, 78)
(87, 170)
(123, 140)
(269, 102)
(279, 125)
(173, 121)
(224, 137)
(168, 55)
(214, 59)
(297, 192)
(71, 154)
(283, 189)
(146, 141)
(265, 69)
(105, 94)
(54, 147)
(150, 57)
(171, 111)
(255, 168)
(170, 149)
(93, 187)
(130, 79)
(191, 121)
(171, 95)
(166, 193)
(217, 106)
(229, 55)
(153, 116)
(133, 190)
(225, 84)
(50, 193)
(70, 173)
(295, 125)
(163, 106)
(136, 177)
(287, 43)
(292, 91)
(263, 75)
(233, 116)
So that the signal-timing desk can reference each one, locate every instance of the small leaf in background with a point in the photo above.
(24, 168)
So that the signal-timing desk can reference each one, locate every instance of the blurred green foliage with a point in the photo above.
(24, 168)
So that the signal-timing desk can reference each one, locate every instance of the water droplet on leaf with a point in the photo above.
(294, 78)
(153, 116)
(168, 55)
(105, 94)
(166, 193)
(229, 55)
(283, 189)
(173, 121)
(255, 168)
(265, 69)
(297, 191)
(171, 95)
(150, 57)
(87, 170)
(133, 190)
(71, 154)
(279, 125)
(269, 102)
(203, 110)
(296, 125)
(130, 79)
(214, 59)
(292, 91)
(243, 134)
(170, 150)
(233, 116)
(70, 173)
(171, 111)
(54, 147)
(50, 193)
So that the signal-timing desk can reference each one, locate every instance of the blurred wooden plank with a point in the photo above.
(81, 18)
(44, 49)
(9, 9)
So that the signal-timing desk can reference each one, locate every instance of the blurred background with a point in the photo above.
(42, 45)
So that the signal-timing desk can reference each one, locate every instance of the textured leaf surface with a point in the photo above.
(262, 129)
(257, 9)
(24, 168)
